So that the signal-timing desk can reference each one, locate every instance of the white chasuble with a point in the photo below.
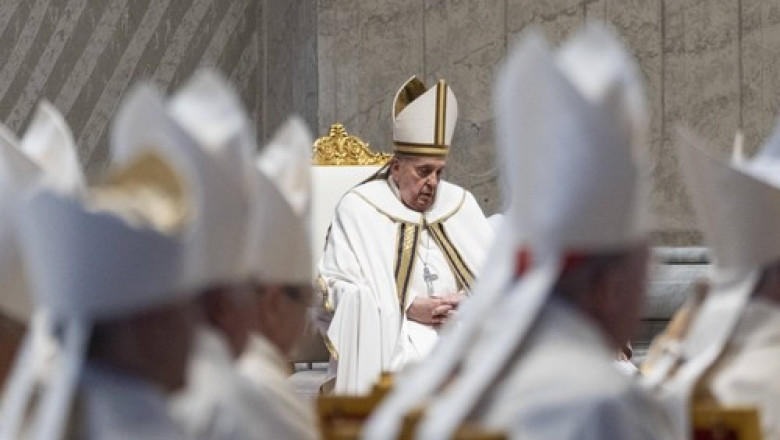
(380, 256)
(746, 373)
(563, 386)
(281, 413)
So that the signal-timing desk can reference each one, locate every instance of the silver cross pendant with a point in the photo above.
(429, 278)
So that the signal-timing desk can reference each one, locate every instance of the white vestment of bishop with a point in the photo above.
(121, 406)
(219, 403)
(379, 257)
(540, 398)
(745, 374)
(283, 414)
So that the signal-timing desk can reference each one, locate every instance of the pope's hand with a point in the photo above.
(431, 311)
(454, 298)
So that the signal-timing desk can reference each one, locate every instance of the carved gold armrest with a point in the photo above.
(466, 431)
(712, 422)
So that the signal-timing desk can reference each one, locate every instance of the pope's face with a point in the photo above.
(417, 179)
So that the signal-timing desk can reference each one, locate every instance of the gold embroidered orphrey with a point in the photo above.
(340, 148)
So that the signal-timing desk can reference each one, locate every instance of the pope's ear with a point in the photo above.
(395, 165)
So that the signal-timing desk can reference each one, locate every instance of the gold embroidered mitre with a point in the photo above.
(424, 119)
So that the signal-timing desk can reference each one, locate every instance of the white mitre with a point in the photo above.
(278, 243)
(17, 173)
(737, 204)
(110, 253)
(46, 155)
(766, 163)
(424, 120)
(208, 139)
(738, 209)
(49, 142)
(567, 124)
(44, 158)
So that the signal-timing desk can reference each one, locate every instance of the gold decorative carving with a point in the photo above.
(340, 148)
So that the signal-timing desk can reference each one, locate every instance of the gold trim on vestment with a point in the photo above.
(455, 210)
(375, 206)
(331, 348)
(322, 287)
(441, 113)
(442, 146)
(410, 149)
(406, 253)
(455, 260)
(400, 220)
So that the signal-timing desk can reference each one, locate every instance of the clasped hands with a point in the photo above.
(434, 310)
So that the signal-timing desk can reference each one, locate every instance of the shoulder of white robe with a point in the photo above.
(378, 194)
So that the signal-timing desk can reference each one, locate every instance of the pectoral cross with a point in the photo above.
(429, 278)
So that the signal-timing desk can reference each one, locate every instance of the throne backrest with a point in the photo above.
(339, 162)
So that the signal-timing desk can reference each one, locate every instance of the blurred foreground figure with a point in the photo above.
(46, 155)
(623, 360)
(278, 260)
(106, 266)
(730, 356)
(212, 144)
(404, 248)
(567, 288)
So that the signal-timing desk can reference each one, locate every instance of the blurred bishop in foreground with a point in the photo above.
(540, 364)
(278, 261)
(202, 130)
(108, 271)
(730, 354)
(45, 156)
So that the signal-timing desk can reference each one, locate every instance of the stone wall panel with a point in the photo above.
(469, 62)
(760, 92)
(83, 56)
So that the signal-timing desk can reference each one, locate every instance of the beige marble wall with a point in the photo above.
(712, 64)
(367, 49)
